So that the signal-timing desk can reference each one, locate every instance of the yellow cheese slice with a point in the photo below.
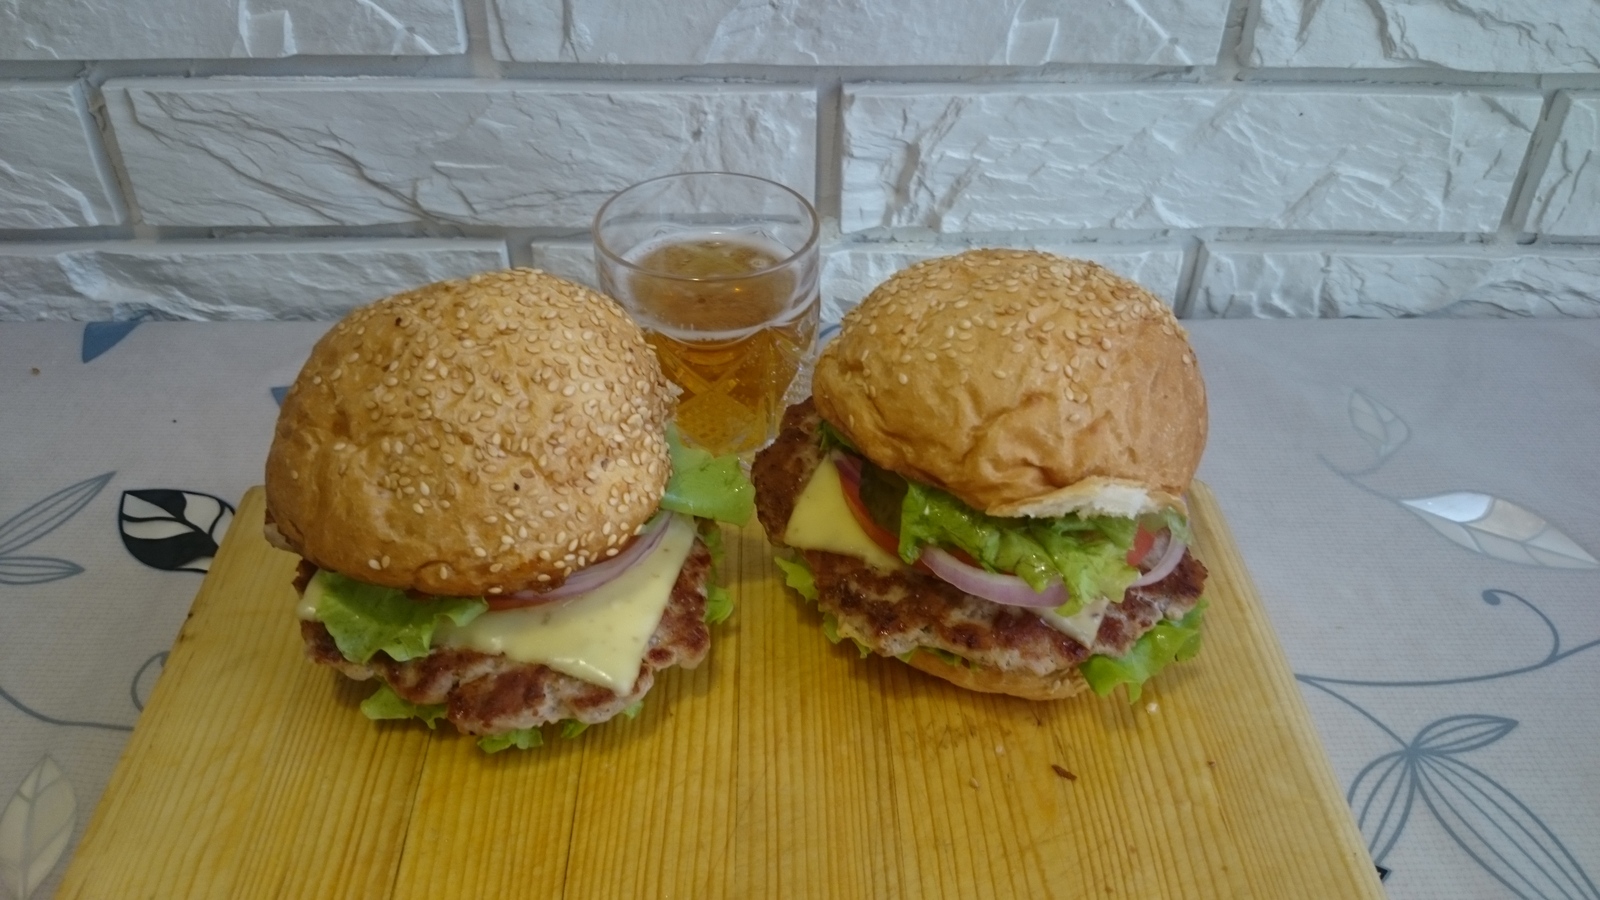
(822, 521)
(1082, 627)
(599, 637)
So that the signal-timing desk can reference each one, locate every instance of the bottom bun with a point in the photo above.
(1028, 686)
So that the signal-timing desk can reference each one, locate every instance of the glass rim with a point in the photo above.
(610, 254)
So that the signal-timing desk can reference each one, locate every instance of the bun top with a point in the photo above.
(471, 437)
(1023, 383)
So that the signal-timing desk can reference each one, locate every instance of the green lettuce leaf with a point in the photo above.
(522, 739)
(365, 618)
(1167, 643)
(797, 575)
(831, 438)
(1086, 553)
(719, 600)
(386, 704)
(705, 486)
(944, 656)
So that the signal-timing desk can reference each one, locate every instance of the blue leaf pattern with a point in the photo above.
(278, 393)
(98, 337)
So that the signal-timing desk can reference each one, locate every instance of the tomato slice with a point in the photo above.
(1142, 542)
(880, 535)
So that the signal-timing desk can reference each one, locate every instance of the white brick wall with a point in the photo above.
(291, 158)
(858, 32)
(231, 279)
(363, 152)
(1292, 159)
(51, 175)
(181, 29)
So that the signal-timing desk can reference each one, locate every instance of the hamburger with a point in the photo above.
(988, 480)
(495, 522)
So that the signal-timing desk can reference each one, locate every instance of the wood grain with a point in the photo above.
(784, 766)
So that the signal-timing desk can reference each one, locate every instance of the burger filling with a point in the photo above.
(902, 568)
(579, 654)
(598, 636)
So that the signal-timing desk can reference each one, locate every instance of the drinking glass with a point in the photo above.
(720, 270)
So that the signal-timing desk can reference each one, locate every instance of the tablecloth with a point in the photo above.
(1415, 499)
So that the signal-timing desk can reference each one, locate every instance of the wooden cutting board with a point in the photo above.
(783, 767)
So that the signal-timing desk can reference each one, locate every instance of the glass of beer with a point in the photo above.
(720, 270)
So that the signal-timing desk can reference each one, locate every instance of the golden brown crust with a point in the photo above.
(472, 436)
(1028, 686)
(1005, 377)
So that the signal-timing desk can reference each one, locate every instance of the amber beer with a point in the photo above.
(732, 328)
(720, 269)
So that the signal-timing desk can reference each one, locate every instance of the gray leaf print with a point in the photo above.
(35, 522)
(1459, 734)
(22, 570)
(1500, 529)
(1381, 798)
(48, 514)
(35, 828)
(1499, 832)
(1384, 430)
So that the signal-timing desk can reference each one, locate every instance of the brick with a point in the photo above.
(1472, 35)
(225, 279)
(859, 32)
(1241, 281)
(999, 159)
(50, 173)
(175, 29)
(380, 151)
(1568, 199)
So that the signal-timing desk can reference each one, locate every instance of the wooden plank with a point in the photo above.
(783, 767)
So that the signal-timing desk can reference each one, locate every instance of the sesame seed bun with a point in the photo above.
(1025, 384)
(471, 437)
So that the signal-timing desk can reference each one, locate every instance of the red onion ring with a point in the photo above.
(849, 467)
(992, 586)
(1170, 557)
(591, 577)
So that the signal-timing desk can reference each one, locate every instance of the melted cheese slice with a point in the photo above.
(1082, 627)
(599, 637)
(822, 521)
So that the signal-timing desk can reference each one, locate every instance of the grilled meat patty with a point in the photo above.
(895, 612)
(487, 693)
